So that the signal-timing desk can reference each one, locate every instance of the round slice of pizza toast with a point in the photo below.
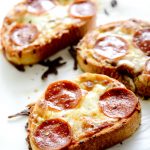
(35, 29)
(92, 112)
(120, 50)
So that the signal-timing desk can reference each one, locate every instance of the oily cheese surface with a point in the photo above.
(134, 58)
(86, 119)
(31, 28)
(48, 23)
(120, 50)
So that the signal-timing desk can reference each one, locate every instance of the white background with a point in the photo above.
(17, 89)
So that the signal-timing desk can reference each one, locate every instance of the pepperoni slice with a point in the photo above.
(63, 95)
(111, 47)
(82, 9)
(142, 40)
(53, 134)
(118, 103)
(24, 34)
(147, 67)
(39, 6)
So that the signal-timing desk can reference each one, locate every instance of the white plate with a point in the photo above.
(17, 89)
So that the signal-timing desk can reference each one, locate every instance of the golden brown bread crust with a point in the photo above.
(109, 136)
(41, 52)
(129, 72)
(37, 51)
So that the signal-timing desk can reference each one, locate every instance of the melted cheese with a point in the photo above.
(135, 58)
(48, 24)
(86, 117)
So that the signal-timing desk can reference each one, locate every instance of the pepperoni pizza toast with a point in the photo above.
(35, 29)
(120, 50)
(92, 112)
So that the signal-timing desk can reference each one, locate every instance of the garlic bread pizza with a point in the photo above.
(35, 29)
(120, 50)
(91, 112)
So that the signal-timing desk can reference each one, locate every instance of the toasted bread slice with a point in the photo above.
(35, 29)
(120, 50)
(142, 81)
(92, 112)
